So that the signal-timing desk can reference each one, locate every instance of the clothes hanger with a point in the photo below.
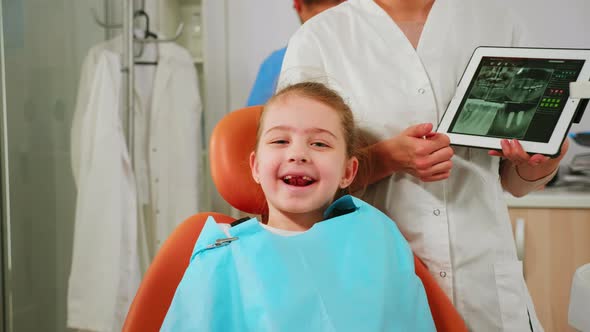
(151, 37)
(147, 35)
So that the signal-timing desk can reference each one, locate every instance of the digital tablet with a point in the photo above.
(522, 93)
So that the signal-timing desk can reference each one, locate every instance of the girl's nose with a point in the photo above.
(298, 154)
(298, 159)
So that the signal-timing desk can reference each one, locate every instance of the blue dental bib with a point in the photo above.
(351, 272)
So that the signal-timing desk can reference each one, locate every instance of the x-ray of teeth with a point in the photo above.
(512, 116)
(512, 121)
(477, 117)
(502, 102)
(528, 85)
(492, 82)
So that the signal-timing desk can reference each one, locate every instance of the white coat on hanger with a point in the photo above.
(109, 256)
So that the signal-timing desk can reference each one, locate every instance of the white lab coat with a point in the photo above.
(460, 227)
(122, 214)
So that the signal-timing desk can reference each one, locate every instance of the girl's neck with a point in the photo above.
(293, 221)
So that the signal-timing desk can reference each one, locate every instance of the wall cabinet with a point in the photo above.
(557, 241)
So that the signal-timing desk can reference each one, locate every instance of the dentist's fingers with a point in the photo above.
(437, 177)
(439, 156)
(438, 169)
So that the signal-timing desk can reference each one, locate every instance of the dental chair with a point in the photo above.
(231, 142)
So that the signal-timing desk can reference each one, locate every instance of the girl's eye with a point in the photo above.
(320, 144)
(279, 141)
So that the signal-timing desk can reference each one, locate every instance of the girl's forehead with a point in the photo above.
(300, 111)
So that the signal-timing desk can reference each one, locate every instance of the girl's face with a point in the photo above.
(301, 158)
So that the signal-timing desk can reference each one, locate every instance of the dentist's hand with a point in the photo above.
(422, 153)
(530, 168)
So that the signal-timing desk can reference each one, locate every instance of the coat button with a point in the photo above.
(421, 91)
(436, 212)
(443, 274)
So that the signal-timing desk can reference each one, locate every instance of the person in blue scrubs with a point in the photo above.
(320, 263)
(266, 80)
(268, 74)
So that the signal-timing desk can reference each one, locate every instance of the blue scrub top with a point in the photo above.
(266, 80)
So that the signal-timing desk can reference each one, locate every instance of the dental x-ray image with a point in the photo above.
(501, 84)
(528, 85)
(477, 117)
(512, 120)
(502, 101)
(492, 82)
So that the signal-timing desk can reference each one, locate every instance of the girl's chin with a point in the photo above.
(302, 205)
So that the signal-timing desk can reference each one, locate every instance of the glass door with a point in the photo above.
(43, 45)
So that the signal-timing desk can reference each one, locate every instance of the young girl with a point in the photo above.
(318, 264)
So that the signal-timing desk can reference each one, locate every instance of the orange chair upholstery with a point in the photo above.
(157, 288)
(231, 143)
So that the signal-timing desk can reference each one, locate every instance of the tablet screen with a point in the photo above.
(513, 97)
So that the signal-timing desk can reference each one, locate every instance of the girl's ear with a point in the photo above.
(254, 167)
(352, 167)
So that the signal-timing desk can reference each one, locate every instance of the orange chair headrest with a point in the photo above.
(232, 141)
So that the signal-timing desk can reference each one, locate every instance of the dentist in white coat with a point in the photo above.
(398, 63)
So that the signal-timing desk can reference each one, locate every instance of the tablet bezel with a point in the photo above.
(551, 148)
